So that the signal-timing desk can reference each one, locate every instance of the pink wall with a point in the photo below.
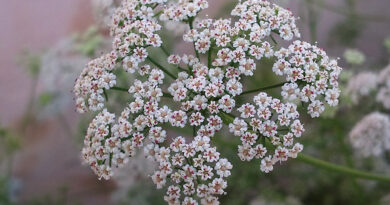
(33, 25)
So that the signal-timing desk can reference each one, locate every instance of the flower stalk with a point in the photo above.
(162, 68)
(263, 88)
(341, 169)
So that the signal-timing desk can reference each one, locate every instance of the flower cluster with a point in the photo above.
(383, 95)
(96, 77)
(374, 84)
(371, 135)
(190, 168)
(100, 147)
(103, 9)
(312, 77)
(203, 93)
(272, 122)
(202, 88)
(134, 29)
(262, 17)
(362, 84)
(182, 10)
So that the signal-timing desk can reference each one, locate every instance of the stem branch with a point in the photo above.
(190, 23)
(262, 89)
(162, 68)
(340, 169)
(120, 89)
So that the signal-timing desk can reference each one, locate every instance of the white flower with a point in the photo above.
(290, 91)
(234, 87)
(266, 128)
(226, 103)
(201, 176)
(308, 66)
(238, 127)
(362, 84)
(247, 110)
(371, 135)
(354, 57)
(178, 118)
(267, 164)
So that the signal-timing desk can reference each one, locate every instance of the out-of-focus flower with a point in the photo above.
(371, 135)
(383, 95)
(362, 85)
(134, 172)
(354, 57)
(59, 67)
(384, 76)
(103, 10)
(176, 28)
(385, 200)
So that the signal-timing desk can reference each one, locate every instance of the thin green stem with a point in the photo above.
(162, 68)
(120, 89)
(164, 50)
(105, 94)
(190, 23)
(263, 88)
(273, 39)
(209, 54)
(340, 169)
(158, 13)
(167, 95)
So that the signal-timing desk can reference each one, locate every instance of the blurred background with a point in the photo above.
(44, 45)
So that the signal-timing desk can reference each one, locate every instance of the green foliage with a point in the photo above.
(58, 198)
(88, 42)
(346, 32)
(31, 61)
(9, 142)
(4, 192)
(45, 99)
(386, 43)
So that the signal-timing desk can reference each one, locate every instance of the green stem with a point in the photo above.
(340, 169)
(120, 89)
(167, 95)
(273, 39)
(157, 14)
(162, 68)
(105, 94)
(164, 50)
(190, 23)
(263, 88)
(209, 60)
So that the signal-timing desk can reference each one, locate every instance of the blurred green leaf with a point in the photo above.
(45, 99)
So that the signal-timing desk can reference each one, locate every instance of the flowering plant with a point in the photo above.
(203, 90)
